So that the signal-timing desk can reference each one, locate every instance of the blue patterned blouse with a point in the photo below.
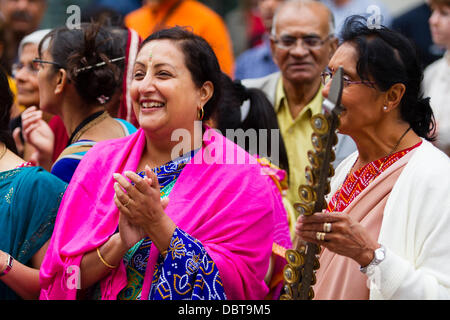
(187, 271)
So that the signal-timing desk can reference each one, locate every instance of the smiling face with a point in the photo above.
(363, 104)
(164, 95)
(299, 64)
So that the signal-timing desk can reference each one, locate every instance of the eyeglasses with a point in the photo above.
(326, 76)
(39, 62)
(287, 42)
(30, 67)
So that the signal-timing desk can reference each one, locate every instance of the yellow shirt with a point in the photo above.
(16, 110)
(296, 134)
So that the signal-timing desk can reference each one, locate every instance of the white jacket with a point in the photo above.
(415, 229)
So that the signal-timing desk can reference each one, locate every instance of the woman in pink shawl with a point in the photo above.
(117, 234)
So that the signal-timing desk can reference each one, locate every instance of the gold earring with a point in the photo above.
(200, 114)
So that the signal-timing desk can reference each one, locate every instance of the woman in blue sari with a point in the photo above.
(29, 201)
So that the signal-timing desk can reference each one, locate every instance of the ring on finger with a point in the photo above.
(327, 227)
(320, 236)
(128, 202)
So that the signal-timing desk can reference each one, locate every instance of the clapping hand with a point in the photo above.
(140, 205)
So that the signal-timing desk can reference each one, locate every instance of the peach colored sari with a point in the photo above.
(339, 277)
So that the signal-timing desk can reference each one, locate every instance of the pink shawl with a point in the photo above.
(339, 277)
(231, 208)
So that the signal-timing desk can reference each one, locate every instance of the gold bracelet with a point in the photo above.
(103, 260)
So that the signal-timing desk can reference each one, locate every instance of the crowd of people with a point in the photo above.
(155, 151)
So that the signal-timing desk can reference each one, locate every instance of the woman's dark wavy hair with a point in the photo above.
(261, 115)
(387, 57)
(6, 102)
(200, 60)
(73, 49)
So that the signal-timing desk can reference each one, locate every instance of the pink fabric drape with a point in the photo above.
(231, 208)
(339, 277)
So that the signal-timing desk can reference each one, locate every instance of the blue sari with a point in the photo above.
(29, 202)
(68, 161)
(187, 271)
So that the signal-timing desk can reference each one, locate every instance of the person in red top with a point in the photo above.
(155, 15)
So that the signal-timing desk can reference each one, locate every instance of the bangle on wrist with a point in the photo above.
(9, 264)
(104, 261)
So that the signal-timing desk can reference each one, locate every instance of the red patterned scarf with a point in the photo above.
(356, 182)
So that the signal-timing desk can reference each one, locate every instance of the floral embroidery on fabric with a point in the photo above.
(191, 275)
(25, 164)
(177, 248)
(9, 195)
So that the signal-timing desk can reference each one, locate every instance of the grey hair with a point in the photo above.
(32, 38)
(331, 21)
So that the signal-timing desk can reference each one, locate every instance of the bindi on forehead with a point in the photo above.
(150, 58)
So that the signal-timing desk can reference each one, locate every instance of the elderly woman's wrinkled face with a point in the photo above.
(165, 98)
(362, 103)
(25, 73)
(440, 25)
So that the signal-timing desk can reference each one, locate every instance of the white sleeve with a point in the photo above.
(416, 232)
(396, 279)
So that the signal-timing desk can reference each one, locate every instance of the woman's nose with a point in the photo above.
(326, 89)
(147, 84)
(21, 74)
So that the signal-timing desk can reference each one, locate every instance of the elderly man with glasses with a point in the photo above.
(302, 42)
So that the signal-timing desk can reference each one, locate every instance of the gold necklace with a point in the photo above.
(378, 169)
(86, 124)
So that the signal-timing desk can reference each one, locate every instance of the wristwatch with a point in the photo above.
(379, 255)
(9, 264)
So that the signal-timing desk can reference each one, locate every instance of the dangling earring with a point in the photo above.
(200, 114)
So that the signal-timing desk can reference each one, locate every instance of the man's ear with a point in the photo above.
(272, 49)
(61, 80)
(334, 44)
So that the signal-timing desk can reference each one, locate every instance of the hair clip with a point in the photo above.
(102, 99)
(99, 64)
